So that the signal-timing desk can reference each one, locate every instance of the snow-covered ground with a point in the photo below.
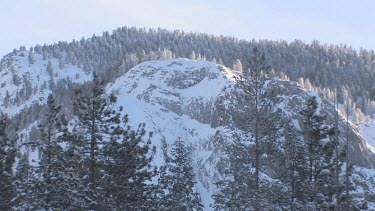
(368, 133)
(149, 91)
(38, 76)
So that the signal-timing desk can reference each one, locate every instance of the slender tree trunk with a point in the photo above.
(347, 157)
(92, 149)
(256, 142)
(311, 158)
(293, 177)
(337, 152)
(48, 165)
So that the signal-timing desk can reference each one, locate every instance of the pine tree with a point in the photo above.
(295, 172)
(49, 69)
(127, 171)
(347, 197)
(324, 162)
(27, 183)
(97, 123)
(52, 184)
(7, 159)
(313, 131)
(178, 179)
(237, 65)
(236, 188)
(246, 160)
(261, 113)
(59, 176)
(31, 57)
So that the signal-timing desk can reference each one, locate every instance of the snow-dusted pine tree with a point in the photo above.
(97, 124)
(128, 171)
(178, 180)
(7, 158)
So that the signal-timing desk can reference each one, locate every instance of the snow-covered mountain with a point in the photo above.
(197, 101)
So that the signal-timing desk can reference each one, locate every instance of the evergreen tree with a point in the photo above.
(237, 65)
(128, 172)
(236, 188)
(97, 123)
(247, 160)
(259, 73)
(262, 116)
(178, 179)
(49, 69)
(324, 167)
(53, 183)
(7, 159)
(31, 57)
(314, 132)
(295, 171)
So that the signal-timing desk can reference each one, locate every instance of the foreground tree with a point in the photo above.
(236, 189)
(243, 185)
(314, 132)
(53, 183)
(253, 84)
(128, 172)
(295, 170)
(97, 123)
(325, 164)
(7, 159)
(178, 180)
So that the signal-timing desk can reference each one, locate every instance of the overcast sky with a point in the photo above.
(31, 22)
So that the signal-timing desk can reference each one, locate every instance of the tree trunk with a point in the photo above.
(337, 152)
(256, 143)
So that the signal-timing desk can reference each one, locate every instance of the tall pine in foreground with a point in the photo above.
(261, 119)
(7, 159)
(314, 132)
(178, 180)
(236, 188)
(97, 123)
(295, 170)
(127, 170)
(53, 183)
(60, 179)
(324, 167)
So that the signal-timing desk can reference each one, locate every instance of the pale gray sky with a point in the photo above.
(31, 22)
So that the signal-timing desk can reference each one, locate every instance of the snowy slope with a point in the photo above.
(195, 101)
(368, 133)
(19, 66)
(159, 93)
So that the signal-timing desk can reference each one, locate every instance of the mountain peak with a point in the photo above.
(176, 80)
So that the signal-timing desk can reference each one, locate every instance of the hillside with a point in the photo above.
(196, 101)
(326, 67)
(207, 105)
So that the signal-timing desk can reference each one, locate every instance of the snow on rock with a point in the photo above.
(195, 101)
(368, 133)
(157, 93)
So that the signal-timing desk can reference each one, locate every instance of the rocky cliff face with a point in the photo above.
(202, 103)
